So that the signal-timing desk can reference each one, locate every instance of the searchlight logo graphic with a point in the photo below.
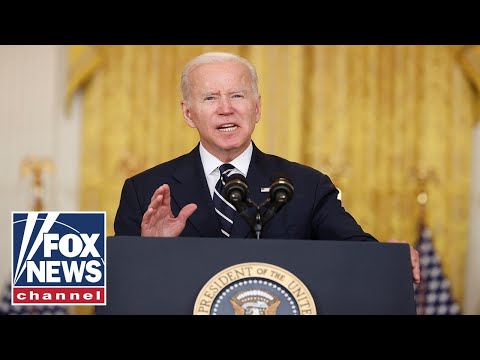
(58, 258)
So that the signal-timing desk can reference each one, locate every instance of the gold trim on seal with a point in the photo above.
(254, 270)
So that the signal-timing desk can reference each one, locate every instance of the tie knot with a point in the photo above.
(225, 170)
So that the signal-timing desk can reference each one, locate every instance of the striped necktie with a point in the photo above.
(224, 209)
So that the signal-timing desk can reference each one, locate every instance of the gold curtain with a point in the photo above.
(369, 116)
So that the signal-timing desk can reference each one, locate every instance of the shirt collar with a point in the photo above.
(211, 163)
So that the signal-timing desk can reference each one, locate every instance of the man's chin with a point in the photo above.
(232, 145)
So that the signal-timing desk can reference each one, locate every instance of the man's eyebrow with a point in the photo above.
(209, 93)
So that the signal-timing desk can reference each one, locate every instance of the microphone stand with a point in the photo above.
(257, 223)
(259, 220)
(272, 208)
(238, 196)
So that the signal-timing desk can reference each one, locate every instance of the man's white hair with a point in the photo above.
(215, 57)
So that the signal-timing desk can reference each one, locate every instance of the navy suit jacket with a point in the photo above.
(314, 212)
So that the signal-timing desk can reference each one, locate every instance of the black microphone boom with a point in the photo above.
(236, 193)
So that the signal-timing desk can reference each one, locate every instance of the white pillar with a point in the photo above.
(32, 122)
(472, 267)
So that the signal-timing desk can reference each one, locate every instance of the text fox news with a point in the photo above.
(58, 258)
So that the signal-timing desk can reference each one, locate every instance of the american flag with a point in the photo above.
(433, 295)
(6, 307)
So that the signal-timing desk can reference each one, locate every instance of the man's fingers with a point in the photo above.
(156, 202)
(158, 220)
(414, 259)
(157, 192)
(148, 215)
(166, 195)
(162, 190)
(415, 264)
(154, 208)
(186, 212)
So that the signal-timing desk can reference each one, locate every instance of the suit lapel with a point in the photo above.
(192, 188)
(257, 178)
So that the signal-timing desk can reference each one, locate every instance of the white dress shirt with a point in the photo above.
(211, 165)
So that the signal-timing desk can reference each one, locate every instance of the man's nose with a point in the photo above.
(225, 105)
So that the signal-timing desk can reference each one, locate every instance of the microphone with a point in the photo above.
(281, 191)
(236, 191)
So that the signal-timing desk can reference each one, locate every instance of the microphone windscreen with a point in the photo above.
(236, 188)
(281, 189)
(237, 176)
(277, 175)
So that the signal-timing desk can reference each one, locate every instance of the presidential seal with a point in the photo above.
(254, 289)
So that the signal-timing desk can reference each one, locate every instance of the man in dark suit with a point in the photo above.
(178, 198)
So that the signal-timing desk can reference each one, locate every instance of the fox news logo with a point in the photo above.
(58, 258)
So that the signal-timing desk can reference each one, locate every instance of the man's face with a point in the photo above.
(222, 107)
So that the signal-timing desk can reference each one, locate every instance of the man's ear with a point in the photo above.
(186, 114)
(258, 109)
